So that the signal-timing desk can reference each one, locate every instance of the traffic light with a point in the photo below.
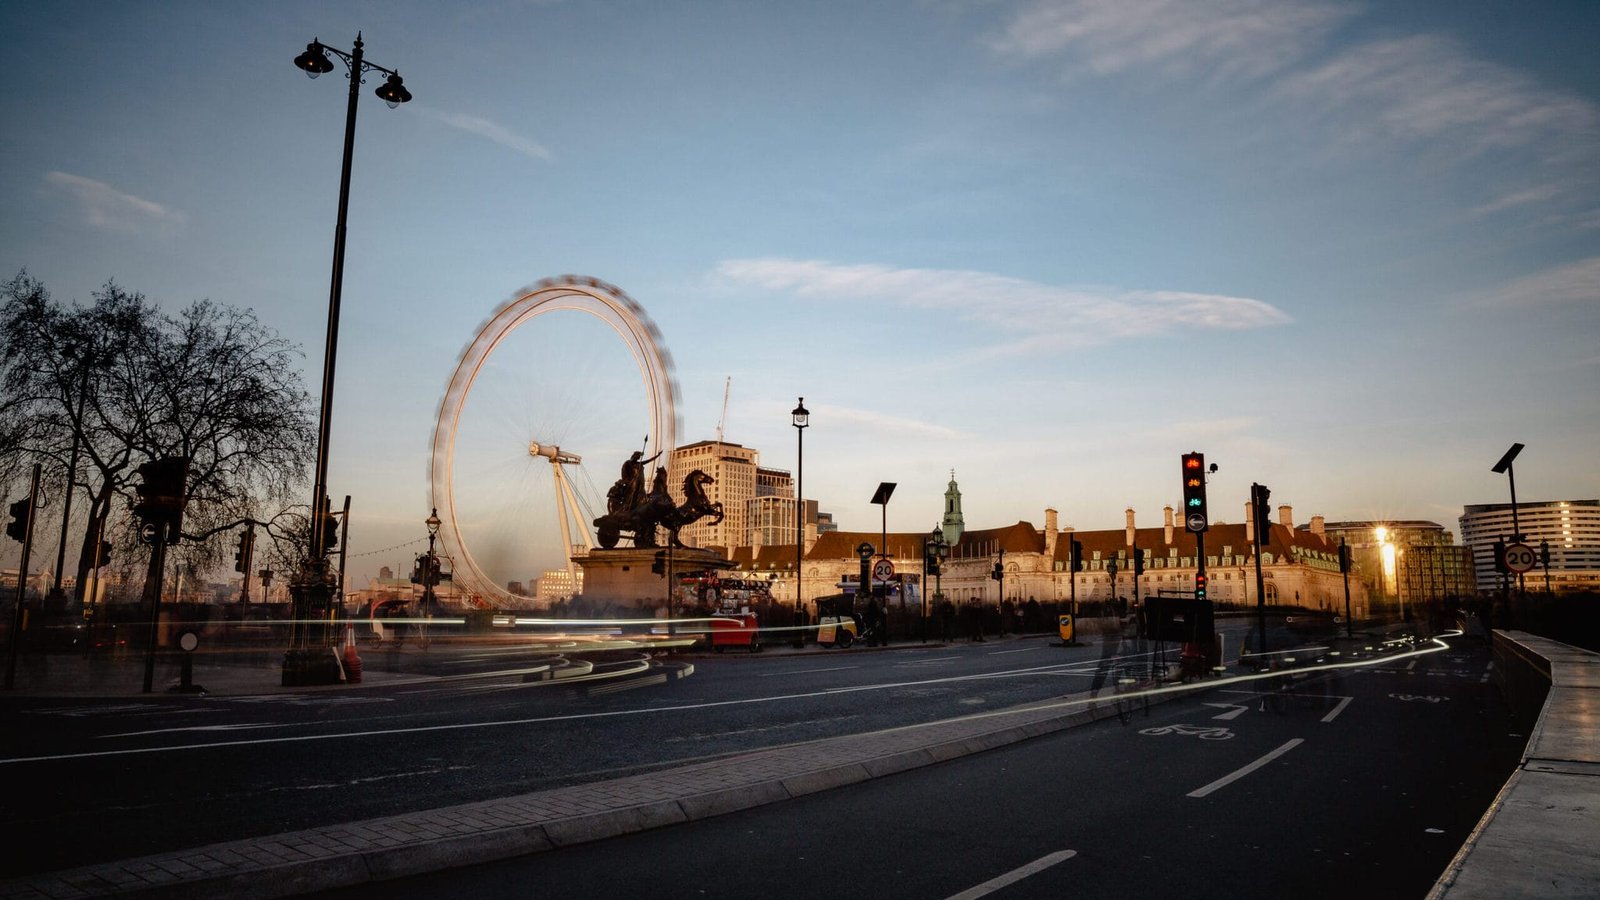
(247, 546)
(21, 513)
(161, 494)
(419, 569)
(999, 567)
(659, 564)
(1075, 555)
(1200, 586)
(1195, 519)
(1262, 513)
(330, 531)
(1499, 557)
(1138, 562)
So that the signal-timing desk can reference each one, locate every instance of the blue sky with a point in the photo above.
(1351, 251)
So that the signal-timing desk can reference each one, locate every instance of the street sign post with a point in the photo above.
(1521, 558)
(883, 571)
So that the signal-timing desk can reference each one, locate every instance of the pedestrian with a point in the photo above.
(947, 620)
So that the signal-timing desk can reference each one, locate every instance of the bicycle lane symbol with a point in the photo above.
(1414, 698)
(1203, 732)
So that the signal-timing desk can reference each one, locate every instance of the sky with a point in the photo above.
(1347, 250)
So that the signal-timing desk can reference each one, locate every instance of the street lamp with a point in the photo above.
(428, 598)
(801, 417)
(314, 588)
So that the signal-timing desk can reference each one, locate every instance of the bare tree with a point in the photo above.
(130, 383)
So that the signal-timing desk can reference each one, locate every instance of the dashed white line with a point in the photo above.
(1237, 774)
(1004, 652)
(1343, 702)
(1014, 876)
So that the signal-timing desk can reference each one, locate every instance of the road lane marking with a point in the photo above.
(1237, 774)
(1003, 652)
(1413, 665)
(805, 671)
(923, 662)
(1343, 702)
(1014, 876)
(1234, 710)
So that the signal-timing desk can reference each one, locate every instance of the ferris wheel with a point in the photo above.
(570, 369)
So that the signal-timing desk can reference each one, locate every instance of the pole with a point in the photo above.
(1344, 557)
(335, 292)
(17, 618)
(799, 522)
(159, 548)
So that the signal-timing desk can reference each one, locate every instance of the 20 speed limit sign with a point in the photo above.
(1520, 558)
(883, 570)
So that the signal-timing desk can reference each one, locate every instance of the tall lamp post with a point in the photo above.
(314, 589)
(801, 417)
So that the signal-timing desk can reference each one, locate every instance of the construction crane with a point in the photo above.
(726, 387)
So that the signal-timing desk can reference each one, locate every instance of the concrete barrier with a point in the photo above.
(1538, 838)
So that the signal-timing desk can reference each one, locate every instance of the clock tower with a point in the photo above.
(952, 525)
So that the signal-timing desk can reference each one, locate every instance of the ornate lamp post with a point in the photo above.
(303, 664)
(801, 417)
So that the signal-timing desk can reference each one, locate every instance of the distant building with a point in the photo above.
(1300, 566)
(734, 469)
(557, 584)
(1405, 561)
(1569, 529)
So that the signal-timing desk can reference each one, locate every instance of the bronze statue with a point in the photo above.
(631, 511)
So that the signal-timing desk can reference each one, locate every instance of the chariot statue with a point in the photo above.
(634, 512)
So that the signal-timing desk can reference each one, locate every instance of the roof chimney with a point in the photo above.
(1316, 526)
(1286, 516)
(1249, 522)
(1166, 535)
(1049, 535)
(1131, 536)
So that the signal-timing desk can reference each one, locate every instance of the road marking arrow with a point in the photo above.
(1234, 710)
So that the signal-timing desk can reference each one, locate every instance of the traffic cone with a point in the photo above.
(352, 658)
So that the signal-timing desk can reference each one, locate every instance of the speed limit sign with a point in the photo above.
(1520, 558)
(883, 570)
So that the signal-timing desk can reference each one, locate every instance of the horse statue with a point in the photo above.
(638, 514)
(696, 506)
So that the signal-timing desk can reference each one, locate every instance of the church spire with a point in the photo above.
(953, 525)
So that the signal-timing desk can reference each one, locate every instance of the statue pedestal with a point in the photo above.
(623, 575)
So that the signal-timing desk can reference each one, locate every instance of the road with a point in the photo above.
(1362, 783)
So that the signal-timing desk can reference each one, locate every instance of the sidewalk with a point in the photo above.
(470, 834)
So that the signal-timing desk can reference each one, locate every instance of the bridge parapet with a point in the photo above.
(1538, 838)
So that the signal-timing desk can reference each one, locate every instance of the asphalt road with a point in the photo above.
(1357, 784)
(164, 772)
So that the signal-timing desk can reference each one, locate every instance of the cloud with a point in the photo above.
(1577, 282)
(1046, 316)
(1174, 37)
(492, 131)
(104, 206)
(1425, 88)
(865, 422)
(1424, 95)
